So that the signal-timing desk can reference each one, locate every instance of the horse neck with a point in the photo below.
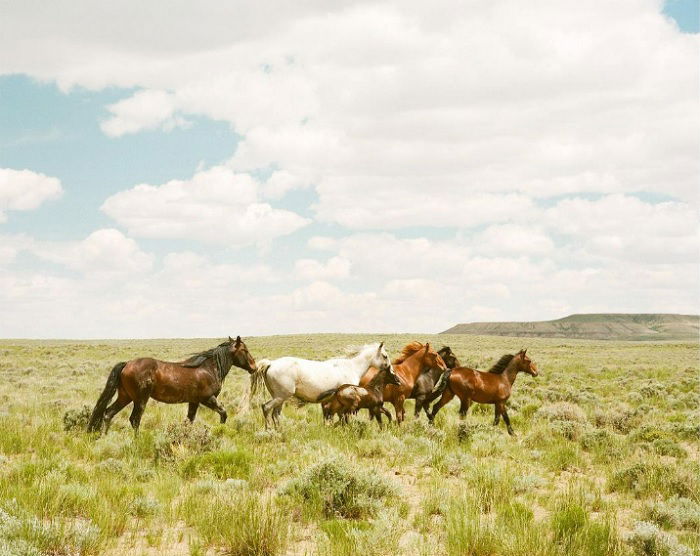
(413, 366)
(511, 371)
(376, 385)
(361, 362)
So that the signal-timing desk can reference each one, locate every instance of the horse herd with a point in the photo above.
(342, 385)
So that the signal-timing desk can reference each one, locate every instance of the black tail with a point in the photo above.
(110, 388)
(323, 396)
(440, 386)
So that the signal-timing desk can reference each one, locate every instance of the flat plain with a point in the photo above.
(604, 461)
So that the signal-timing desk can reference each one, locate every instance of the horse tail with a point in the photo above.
(440, 386)
(258, 376)
(110, 388)
(323, 396)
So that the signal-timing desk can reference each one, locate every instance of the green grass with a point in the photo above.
(604, 461)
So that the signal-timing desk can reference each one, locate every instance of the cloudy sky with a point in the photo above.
(214, 168)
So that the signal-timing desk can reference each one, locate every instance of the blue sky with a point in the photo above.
(386, 205)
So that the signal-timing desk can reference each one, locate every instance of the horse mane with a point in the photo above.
(355, 350)
(408, 350)
(218, 354)
(502, 364)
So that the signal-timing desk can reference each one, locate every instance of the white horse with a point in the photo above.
(306, 380)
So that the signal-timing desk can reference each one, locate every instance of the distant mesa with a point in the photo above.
(596, 326)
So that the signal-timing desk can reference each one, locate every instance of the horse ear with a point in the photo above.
(524, 351)
(427, 347)
(238, 341)
(381, 345)
(230, 339)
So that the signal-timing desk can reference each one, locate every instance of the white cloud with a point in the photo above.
(145, 110)
(215, 205)
(311, 269)
(25, 190)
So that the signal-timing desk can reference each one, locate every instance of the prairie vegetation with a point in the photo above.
(605, 460)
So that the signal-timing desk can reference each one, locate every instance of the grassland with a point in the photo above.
(605, 460)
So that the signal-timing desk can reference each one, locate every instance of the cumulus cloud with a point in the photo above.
(311, 269)
(25, 190)
(145, 110)
(215, 205)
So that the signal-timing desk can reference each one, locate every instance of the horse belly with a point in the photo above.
(181, 387)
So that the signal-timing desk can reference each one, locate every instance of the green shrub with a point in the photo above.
(184, 436)
(646, 539)
(561, 411)
(668, 447)
(674, 513)
(77, 419)
(337, 489)
(222, 464)
(644, 479)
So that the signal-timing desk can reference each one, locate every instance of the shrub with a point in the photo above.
(667, 447)
(674, 513)
(77, 419)
(562, 411)
(222, 464)
(242, 524)
(644, 478)
(467, 431)
(184, 436)
(647, 539)
(621, 418)
(336, 489)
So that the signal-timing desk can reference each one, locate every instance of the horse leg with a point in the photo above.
(120, 403)
(272, 410)
(447, 396)
(497, 416)
(464, 407)
(385, 411)
(420, 400)
(213, 403)
(507, 420)
(192, 411)
(398, 408)
(137, 413)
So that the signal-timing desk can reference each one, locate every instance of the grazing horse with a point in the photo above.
(195, 381)
(415, 359)
(493, 386)
(425, 383)
(306, 380)
(349, 398)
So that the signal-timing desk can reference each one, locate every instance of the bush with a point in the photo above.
(222, 465)
(667, 447)
(336, 489)
(187, 437)
(644, 479)
(674, 513)
(620, 419)
(77, 419)
(562, 411)
(647, 540)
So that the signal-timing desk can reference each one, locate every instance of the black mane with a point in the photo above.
(219, 354)
(502, 364)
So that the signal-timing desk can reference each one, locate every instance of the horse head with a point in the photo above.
(525, 364)
(240, 355)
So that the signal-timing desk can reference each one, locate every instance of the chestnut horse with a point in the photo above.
(493, 386)
(195, 381)
(415, 359)
(425, 384)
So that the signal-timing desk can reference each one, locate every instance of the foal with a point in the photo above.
(349, 398)
(492, 387)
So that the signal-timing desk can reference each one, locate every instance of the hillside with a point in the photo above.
(602, 326)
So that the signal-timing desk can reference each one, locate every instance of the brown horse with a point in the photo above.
(493, 386)
(415, 359)
(425, 383)
(195, 381)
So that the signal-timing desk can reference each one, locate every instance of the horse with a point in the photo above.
(306, 379)
(197, 380)
(493, 387)
(426, 381)
(415, 358)
(349, 398)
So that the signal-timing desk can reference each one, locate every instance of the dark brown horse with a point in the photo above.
(425, 383)
(415, 359)
(493, 386)
(195, 381)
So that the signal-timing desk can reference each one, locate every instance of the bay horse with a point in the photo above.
(492, 387)
(197, 380)
(306, 380)
(415, 359)
(426, 381)
(349, 398)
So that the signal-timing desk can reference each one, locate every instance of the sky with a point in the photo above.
(223, 168)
